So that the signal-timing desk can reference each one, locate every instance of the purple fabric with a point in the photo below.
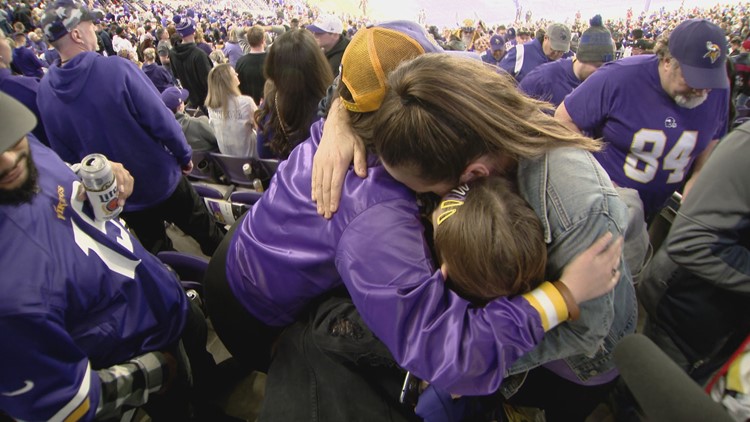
(533, 56)
(624, 103)
(284, 255)
(27, 62)
(436, 405)
(124, 113)
(90, 296)
(550, 82)
(233, 52)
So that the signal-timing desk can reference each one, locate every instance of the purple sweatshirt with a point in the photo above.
(97, 104)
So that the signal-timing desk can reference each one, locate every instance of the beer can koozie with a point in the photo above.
(101, 186)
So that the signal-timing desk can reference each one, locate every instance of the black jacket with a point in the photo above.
(249, 69)
(334, 55)
(191, 66)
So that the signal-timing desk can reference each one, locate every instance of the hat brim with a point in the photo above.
(701, 78)
(184, 94)
(316, 29)
(563, 46)
(93, 15)
(16, 121)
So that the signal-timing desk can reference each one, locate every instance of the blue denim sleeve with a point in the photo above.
(578, 204)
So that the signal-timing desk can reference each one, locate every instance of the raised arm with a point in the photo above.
(338, 147)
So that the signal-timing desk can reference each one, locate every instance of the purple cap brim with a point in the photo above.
(702, 78)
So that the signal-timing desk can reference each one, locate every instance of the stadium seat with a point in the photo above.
(232, 167)
(205, 191)
(247, 197)
(190, 268)
(202, 167)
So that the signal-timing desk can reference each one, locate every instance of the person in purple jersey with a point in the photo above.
(553, 81)
(95, 104)
(660, 116)
(496, 52)
(94, 325)
(522, 59)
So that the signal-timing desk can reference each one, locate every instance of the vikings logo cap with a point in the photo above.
(701, 48)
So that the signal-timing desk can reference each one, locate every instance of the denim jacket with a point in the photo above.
(577, 206)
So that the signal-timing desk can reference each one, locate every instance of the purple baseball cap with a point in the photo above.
(701, 49)
(173, 96)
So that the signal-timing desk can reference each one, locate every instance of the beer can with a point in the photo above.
(101, 187)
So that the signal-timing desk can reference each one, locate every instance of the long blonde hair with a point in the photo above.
(221, 87)
(442, 112)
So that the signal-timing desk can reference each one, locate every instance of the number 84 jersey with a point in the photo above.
(650, 141)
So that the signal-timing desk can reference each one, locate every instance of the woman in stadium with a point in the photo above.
(230, 112)
(297, 75)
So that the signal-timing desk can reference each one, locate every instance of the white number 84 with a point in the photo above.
(676, 160)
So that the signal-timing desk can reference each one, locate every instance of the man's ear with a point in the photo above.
(474, 171)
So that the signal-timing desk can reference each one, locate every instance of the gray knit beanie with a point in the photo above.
(596, 45)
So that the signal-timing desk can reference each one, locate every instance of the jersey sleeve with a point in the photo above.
(431, 331)
(45, 375)
(508, 63)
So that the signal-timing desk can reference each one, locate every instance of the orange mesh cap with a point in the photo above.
(370, 57)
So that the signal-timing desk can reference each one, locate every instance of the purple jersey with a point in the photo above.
(78, 295)
(651, 142)
(522, 59)
(550, 81)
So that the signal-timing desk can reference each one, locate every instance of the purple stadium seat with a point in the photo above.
(190, 268)
(202, 166)
(232, 169)
(245, 197)
(207, 191)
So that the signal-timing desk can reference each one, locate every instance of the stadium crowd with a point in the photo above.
(465, 235)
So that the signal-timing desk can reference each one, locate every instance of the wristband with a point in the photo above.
(573, 310)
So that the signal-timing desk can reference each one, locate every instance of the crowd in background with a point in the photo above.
(246, 78)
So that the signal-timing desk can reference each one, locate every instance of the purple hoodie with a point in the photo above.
(106, 105)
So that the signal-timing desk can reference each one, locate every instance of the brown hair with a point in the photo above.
(435, 121)
(221, 87)
(255, 36)
(300, 75)
(661, 48)
(491, 241)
